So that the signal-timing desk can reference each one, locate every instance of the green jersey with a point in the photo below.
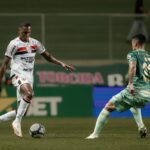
(141, 81)
(142, 59)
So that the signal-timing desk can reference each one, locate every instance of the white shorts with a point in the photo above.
(19, 80)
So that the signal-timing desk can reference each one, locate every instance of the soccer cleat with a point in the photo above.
(142, 132)
(17, 128)
(92, 136)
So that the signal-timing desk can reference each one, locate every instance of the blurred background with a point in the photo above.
(90, 35)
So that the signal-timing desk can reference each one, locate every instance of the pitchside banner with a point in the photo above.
(65, 94)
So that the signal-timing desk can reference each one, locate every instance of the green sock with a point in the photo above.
(101, 121)
(137, 116)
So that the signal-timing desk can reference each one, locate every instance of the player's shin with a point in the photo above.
(137, 116)
(23, 106)
(101, 121)
(16, 124)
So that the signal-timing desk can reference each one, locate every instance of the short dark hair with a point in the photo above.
(140, 38)
(25, 24)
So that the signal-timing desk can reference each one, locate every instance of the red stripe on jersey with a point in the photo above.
(34, 47)
(21, 49)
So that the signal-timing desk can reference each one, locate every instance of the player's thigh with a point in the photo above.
(122, 100)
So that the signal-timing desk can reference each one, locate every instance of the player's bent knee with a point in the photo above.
(28, 97)
(110, 107)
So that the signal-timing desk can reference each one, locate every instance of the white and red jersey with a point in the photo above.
(22, 56)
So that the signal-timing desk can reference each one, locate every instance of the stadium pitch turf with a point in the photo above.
(70, 133)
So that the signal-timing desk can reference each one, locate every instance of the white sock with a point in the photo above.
(8, 116)
(21, 110)
(137, 116)
(101, 121)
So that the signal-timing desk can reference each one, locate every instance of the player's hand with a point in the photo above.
(131, 88)
(67, 67)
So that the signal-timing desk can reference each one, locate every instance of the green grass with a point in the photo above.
(70, 133)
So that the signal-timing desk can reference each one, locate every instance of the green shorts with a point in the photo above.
(124, 100)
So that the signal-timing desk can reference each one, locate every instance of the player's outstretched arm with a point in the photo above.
(52, 59)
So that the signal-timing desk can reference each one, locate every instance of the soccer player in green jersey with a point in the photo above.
(136, 94)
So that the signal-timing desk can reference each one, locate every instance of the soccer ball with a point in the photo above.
(37, 130)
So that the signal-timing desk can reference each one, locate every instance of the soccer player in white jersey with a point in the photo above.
(20, 54)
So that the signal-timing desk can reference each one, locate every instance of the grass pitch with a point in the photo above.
(70, 133)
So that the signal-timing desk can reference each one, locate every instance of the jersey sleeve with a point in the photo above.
(11, 49)
(40, 48)
(131, 57)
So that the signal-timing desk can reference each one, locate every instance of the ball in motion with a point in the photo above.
(37, 130)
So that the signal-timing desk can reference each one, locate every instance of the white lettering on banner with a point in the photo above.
(82, 78)
(115, 80)
(39, 106)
